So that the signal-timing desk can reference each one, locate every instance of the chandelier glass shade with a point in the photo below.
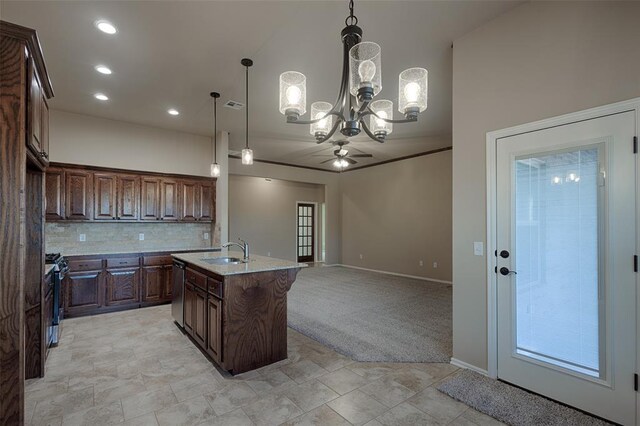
(355, 109)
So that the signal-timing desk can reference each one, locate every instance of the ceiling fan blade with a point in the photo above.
(350, 161)
(322, 155)
(326, 161)
(361, 156)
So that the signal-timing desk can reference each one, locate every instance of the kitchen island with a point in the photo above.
(234, 312)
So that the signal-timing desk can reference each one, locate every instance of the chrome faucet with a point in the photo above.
(244, 246)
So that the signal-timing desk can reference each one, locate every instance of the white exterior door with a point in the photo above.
(566, 240)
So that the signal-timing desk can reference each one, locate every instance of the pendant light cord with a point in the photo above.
(215, 130)
(351, 19)
(246, 103)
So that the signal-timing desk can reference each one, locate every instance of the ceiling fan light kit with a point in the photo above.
(361, 82)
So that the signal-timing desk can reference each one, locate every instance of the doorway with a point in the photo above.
(306, 219)
(564, 235)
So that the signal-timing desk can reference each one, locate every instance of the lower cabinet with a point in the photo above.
(189, 304)
(157, 284)
(83, 292)
(122, 286)
(200, 317)
(214, 329)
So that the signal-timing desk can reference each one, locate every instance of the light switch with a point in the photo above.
(141, 237)
(205, 236)
(478, 248)
(82, 237)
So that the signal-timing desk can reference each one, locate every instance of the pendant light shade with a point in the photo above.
(412, 90)
(365, 68)
(247, 153)
(215, 167)
(293, 93)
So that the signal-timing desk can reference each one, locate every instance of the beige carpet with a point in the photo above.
(370, 316)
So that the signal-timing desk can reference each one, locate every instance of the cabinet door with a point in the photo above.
(152, 283)
(34, 111)
(189, 296)
(150, 200)
(54, 194)
(167, 282)
(206, 199)
(122, 286)
(128, 197)
(200, 317)
(214, 328)
(189, 201)
(104, 196)
(82, 291)
(78, 194)
(44, 129)
(169, 200)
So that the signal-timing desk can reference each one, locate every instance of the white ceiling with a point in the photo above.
(173, 53)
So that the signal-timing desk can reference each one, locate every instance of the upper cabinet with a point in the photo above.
(37, 115)
(75, 193)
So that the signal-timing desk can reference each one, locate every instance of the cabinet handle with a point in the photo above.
(44, 154)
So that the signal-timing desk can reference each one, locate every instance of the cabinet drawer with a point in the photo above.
(215, 287)
(123, 262)
(196, 278)
(157, 260)
(85, 265)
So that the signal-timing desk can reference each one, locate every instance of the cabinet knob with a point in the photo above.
(44, 154)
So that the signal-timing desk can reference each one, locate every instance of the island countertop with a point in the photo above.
(255, 263)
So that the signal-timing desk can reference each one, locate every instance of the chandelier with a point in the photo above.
(355, 109)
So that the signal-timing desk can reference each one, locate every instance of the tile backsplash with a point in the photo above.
(114, 237)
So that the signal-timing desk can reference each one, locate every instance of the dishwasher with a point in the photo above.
(177, 303)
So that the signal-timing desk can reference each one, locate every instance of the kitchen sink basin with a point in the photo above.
(223, 260)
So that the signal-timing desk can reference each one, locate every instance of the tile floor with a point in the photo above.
(137, 368)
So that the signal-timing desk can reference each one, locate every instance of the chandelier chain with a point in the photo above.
(351, 19)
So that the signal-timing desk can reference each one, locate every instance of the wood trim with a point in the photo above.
(393, 160)
(29, 36)
(406, 157)
(102, 169)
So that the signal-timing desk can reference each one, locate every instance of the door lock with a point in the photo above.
(504, 254)
(506, 271)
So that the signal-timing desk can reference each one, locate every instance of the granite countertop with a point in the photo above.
(132, 251)
(255, 263)
(48, 267)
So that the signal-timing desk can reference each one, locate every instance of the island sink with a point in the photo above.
(235, 311)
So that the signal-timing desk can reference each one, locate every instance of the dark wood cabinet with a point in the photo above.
(54, 194)
(169, 200)
(150, 199)
(34, 111)
(78, 194)
(152, 283)
(44, 129)
(167, 283)
(200, 317)
(214, 328)
(206, 201)
(104, 196)
(189, 195)
(83, 292)
(189, 304)
(122, 286)
(128, 197)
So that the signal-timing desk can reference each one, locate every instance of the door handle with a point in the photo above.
(506, 271)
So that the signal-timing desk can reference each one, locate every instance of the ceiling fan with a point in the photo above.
(341, 157)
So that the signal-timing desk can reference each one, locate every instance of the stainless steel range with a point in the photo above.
(61, 268)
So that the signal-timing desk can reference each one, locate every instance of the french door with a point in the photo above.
(306, 232)
(566, 233)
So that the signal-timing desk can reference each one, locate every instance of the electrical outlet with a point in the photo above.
(361, 256)
(268, 254)
(435, 264)
(141, 236)
(82, 237)
(421, 263)
(205, 236)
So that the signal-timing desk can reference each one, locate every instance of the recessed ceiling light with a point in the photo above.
(173, 111)
(101, 97)
(106, 27)
(103, 70)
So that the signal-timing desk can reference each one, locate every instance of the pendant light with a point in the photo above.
(247, 153)
(215, 167)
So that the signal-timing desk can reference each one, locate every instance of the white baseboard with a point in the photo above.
(467, 366)
(415, 277)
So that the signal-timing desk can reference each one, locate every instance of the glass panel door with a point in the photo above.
(306, 232)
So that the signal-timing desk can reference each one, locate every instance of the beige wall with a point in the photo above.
(82, 139)
(264, 213)
(398, 214)
(539, 60)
